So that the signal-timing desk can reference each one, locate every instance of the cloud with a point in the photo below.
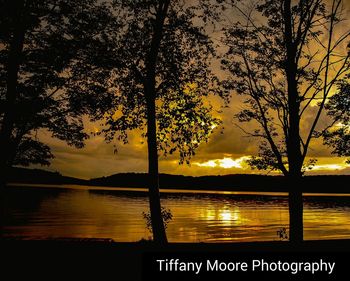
(330, 165)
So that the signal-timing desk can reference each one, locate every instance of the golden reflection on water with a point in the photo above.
(225, 216)
(99, 213)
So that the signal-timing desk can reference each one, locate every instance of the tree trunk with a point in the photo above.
(2, 208)
(12, 69)
(159, 234)
(295, 158)
(158, 228)
(295, 199)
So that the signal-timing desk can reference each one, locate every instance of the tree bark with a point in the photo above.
(295, 159)
(295, 200)
(159, 234)
(158, 228)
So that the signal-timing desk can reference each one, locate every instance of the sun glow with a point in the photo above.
(226, 163)
(240, 163)
(330, 167)
(230, 163)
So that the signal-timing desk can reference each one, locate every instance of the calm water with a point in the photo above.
(77, 211)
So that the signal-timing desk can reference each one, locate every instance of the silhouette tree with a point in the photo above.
(165, 71)
(285, 59)
(338, 108)
(54, 61)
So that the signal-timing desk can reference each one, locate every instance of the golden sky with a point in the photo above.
(223, 154)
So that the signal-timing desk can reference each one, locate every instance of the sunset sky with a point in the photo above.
(225, 153)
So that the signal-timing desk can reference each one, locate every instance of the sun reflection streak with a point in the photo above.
(229, 216)
(225, 215)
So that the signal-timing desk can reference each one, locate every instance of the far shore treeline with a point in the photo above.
(235, 182)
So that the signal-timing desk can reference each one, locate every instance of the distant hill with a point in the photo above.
(238, 182)
(241, 182)
(23, 175)
(189, 182)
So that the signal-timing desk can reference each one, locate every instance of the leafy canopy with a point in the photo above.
(183, 76)
(64, 64)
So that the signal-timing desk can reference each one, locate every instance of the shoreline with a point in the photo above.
(171, 190)
(140, 247)
(307, 245)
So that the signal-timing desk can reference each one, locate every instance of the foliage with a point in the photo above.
(180, 76)
(338, 135)
(282, 233)
(266, 159)
(62, 72)
(167, 216)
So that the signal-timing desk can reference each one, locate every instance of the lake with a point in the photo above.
(42, 211)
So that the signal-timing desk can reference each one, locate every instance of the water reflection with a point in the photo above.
(197, 217)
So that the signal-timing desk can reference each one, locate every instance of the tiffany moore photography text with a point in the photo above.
(255, 265)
